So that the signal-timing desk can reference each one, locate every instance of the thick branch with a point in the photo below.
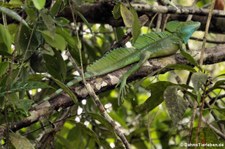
(101, 13)
(107, 82)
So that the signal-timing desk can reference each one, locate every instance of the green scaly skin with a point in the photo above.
(148, 46)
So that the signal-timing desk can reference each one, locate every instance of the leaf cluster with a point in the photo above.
(35, 54)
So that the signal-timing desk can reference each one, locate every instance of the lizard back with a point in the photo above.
(121, 57)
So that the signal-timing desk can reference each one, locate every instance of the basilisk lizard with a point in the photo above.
(147, 46)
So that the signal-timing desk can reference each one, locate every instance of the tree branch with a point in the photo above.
(101, 13)
(107, 82)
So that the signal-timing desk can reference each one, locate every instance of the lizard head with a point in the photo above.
(186, 29)
(183, 29)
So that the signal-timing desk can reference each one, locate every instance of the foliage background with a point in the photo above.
(39, 38)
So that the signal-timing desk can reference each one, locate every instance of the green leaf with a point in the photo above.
(54, 39)
(39, 4)
(175, 104)
(127, 16)
(56, 65)
(67, 36)
(101, 119)
(206, 135)
(20, 86)
(15, 2)
(88, 131)
(5, 40)
(219, 85)
(180, 67)
(198, 79)
(119, 33)
(66, 89)
(136, 25)
(22, 39)
(221, 111)
(13, 14)
(37, 62)
(220, 121)
(20, 142)
(62, 21)
(48, 21)
(189, 58)
(84, 20)
(75, 137)
(3, 68)
(157, 91)
(116, 11)
(66, 143)
(56, 7)
(24, 105)
(118, 118)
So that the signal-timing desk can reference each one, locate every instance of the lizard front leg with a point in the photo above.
(123, 80)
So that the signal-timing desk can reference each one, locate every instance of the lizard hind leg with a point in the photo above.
(123, 80)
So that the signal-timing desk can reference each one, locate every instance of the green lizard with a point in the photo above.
(147, 46)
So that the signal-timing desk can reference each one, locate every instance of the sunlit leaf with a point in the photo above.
(127, 16)
(116, 11)
(67, 36)
(39, 4)
(54, 39)
(5, 40)
(136, 25)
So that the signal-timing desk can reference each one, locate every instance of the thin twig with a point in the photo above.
(206, 32)
(102, 109)
(216, 98)
(96, 100)
(192, 120)
(213, 55)
(143, 20)
(171, 10)
(200, 117)
(215, 117)
(218, 132)
(159, 22)
(208, 40)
